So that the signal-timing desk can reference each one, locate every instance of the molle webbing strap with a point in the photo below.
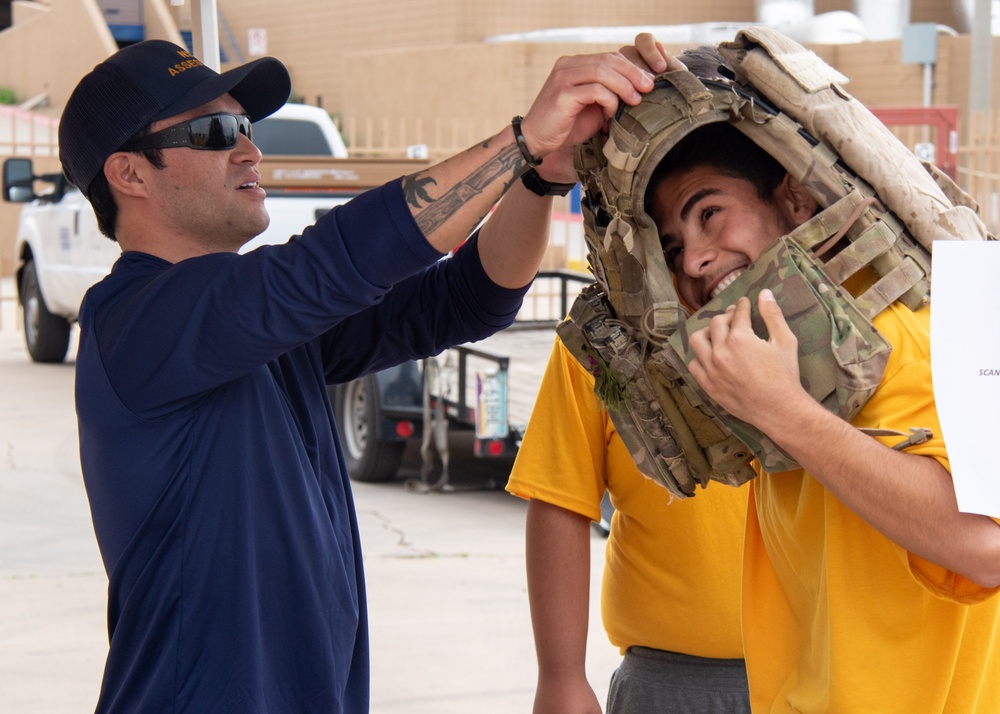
(890, 287)
(599, 344)
(876, 239)
(667, 429)
(841, 354)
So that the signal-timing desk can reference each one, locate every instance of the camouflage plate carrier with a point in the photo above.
(630, 328)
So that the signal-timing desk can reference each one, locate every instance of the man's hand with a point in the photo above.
(750, 378)
(648, 52)
(451, 198)
(581, 93)
(565, 695)
(909, 498)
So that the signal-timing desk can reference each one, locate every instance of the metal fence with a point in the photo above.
(979, 166)
(24, 133)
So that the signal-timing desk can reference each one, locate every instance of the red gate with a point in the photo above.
(944, 121)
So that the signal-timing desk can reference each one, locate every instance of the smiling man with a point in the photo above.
(862, 549)
(215, 476)
(719, 202)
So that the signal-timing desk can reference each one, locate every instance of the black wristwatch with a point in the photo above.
(539, 186)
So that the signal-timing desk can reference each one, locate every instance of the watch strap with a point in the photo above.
(539, 186)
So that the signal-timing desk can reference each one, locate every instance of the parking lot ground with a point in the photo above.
(448, 602)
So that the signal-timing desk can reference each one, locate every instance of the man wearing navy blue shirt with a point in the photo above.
(209, 450)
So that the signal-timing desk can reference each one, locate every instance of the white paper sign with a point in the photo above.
(965, 363)
(257, 42)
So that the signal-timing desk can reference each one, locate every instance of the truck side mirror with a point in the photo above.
(18, 181)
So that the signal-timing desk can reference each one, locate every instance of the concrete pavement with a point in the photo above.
(449, 612)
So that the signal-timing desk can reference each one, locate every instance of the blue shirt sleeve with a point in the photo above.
(364, 277)
(451, 302)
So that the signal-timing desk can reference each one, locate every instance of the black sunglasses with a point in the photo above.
(214, 132)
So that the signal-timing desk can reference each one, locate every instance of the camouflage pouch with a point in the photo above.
(605, 346)
(676, 434)
(841, 355)
(670, 439)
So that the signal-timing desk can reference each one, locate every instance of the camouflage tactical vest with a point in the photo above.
(630, 327)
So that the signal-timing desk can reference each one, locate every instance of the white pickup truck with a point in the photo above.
(60, 253)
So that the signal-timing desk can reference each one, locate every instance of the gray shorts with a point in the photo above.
(657, 682)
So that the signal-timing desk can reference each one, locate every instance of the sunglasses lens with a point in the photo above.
(219, 131)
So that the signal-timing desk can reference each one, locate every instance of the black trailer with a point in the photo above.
(487, 386)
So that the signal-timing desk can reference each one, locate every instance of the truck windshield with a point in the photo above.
(275, 136)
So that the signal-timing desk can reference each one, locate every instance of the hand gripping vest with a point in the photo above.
(630, 328)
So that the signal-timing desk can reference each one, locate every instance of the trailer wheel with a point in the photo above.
(369, 458)
(46, 335)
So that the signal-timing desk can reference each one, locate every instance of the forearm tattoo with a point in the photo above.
(431, 213)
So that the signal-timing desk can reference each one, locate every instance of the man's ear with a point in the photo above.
(795, 201)
(125, 174)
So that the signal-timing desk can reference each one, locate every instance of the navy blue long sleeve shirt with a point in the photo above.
(216, 481)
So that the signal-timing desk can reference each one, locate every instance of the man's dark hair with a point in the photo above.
(103, 201)
(719, 146)
(726, 149)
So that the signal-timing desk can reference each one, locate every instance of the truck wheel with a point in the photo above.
(46, 335)
(369, 458)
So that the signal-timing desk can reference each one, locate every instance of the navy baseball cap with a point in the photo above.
(146, 82)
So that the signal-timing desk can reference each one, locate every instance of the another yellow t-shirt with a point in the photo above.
(672, 572)
(836, 617)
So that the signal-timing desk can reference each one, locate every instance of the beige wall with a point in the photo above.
(314, 39)
(490, 83)
(494, 81)
(56, 70)
(160, 22)
(30, 71)
(877, 75)
(9, 214)
(39, 56)
(939, 11)
(878, 78)
(36, 56)
(339, 50)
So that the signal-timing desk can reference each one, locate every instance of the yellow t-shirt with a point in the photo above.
(672, 572)
(836, 617)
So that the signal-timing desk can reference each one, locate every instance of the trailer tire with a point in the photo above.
(369, 458)
(45, 335)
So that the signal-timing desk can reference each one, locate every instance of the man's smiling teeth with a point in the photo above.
(251, 184)
(725, 283)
